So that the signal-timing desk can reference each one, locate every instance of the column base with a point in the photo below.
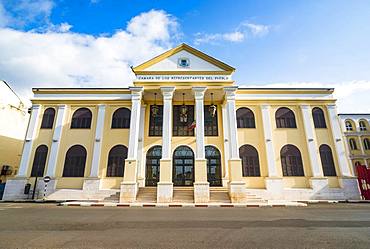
(237, 192)
(319, 183)
(350, 188)
(164, 192)
(274, 187)
(201, 192)
(128, 192)
(91, 186)
(14, 189)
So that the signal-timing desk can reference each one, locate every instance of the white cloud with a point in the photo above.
(352, 96)
(23, 12)
(243, 31)
(61, 58)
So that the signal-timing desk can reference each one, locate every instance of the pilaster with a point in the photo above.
(57, 135)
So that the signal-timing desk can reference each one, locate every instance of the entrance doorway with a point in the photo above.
(183, 166)
(213, 157)
(153, 157)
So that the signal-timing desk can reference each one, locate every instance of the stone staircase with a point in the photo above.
(147, 195)
(183, 194)
(252, 198)
(112, 198)
(219, 195)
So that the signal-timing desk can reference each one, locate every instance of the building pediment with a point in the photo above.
(183, 64)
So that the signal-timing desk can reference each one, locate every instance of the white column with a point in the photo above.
(167, 93)
(199, 119)
(98, 141)
(165, 185)
(231, 113)
(136, 94)
(338, 139)
(54, 151)
(311, 141)
(32, 129)
(267, 130)
(225, 125)
(141, 157)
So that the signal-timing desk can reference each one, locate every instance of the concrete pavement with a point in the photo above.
(26, 225)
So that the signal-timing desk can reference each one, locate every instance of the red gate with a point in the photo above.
(363, 175)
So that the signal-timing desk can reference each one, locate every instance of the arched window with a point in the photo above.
(116, 161)
(367, 144)
(48, 118)
(250, 160)
(39, 161)
(349, 126)
(81, 119)
(285, 118)
(291, 161)
(362, 125)
(74, 164)
(245, 118)
(327, 160)
(153, 157)
(121, 118)
(213, 157)
(318, 118)
(183, 166)
(352, 144)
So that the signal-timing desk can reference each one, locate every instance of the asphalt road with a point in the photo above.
(317, 226)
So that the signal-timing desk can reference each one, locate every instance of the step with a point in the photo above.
(147, 194)
(185, 195)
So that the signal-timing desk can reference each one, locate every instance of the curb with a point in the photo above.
(187, 205)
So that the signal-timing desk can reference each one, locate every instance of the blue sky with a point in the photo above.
(283, 43)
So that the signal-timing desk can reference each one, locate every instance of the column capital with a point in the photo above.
(265, 106)
(230, 92)
(136, 92)
(35, 107)
(199, 92)
(167, 92)
(62, 107)
(331, 106)
(305, 107)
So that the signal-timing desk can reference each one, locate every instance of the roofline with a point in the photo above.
(79, 88)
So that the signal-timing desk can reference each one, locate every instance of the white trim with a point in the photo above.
(142, 155)
(311, 141)
(225, 125)
(81, 96)
(267, 131)
(338, 140)
(136, 93)
(98, 141)
(293, 96)
(54, 151)
(231, 113)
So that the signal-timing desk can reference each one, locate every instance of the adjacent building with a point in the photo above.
(13, 125)
(184, 125)
(356, 131)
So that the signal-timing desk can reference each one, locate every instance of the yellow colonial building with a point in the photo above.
(185, 132)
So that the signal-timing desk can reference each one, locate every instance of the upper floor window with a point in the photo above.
(39, 161)
(81, 119)
(48, 118)
(183, 120)
(349, 126)
(362, 125)
(285, 118)
(291, 161)
(367, 144)
(121, 118)
(74, 164)
(318, 118)
(245, 118)
(210, 122)
(156, 121)
(352, 144)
